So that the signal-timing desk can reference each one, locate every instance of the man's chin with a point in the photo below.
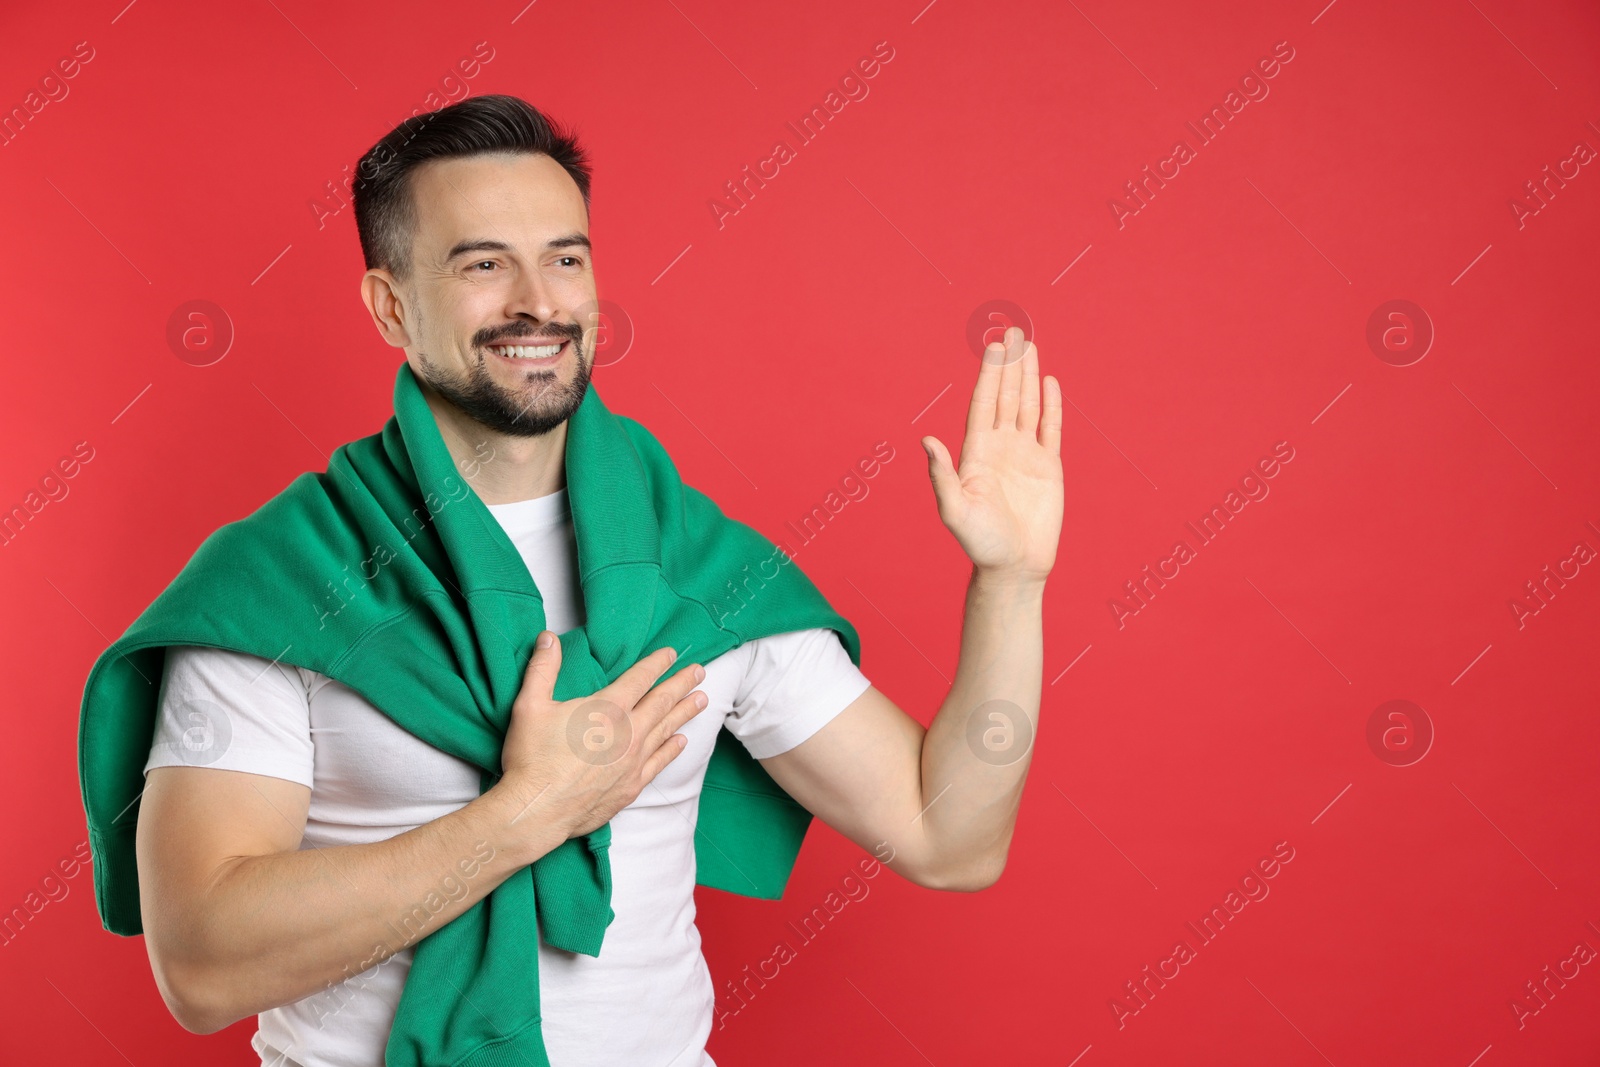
(525, 402)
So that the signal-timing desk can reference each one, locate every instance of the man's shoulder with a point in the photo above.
(246, 583)
(220, 666)
(306, 512)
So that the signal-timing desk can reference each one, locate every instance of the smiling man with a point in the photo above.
(459, 821)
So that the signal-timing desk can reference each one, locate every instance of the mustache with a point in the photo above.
(557, 332)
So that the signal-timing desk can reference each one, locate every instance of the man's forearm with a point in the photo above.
(976, 752)
(281, 927)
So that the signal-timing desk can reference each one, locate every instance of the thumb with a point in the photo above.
(539, 680)
(940, 469)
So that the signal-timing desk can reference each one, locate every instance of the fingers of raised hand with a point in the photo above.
(1007, 393)
(1010, 378)
(986, 393)
(1028, 406)
(1050, 418)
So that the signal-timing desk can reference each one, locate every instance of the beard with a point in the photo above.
(543, 403)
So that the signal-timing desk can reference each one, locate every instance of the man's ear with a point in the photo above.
(383, 296)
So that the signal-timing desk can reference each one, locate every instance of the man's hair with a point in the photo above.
(386, 210)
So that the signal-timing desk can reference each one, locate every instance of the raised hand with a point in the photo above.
(1004, 501)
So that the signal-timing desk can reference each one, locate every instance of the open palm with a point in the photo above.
(1004, 501)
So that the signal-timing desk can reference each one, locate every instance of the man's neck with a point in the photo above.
(502, 469)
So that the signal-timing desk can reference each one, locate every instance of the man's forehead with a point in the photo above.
(526, 202)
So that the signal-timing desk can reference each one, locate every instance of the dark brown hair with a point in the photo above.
(386, 211)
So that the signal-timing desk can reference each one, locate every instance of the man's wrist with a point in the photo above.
(1002, 579)
(525, 821)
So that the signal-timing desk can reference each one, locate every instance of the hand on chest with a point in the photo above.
(368, 769)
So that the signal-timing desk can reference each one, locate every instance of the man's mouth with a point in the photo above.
(535, 354)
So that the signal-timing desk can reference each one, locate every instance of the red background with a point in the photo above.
(1227, 315)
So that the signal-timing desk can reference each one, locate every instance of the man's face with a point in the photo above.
(501, 257)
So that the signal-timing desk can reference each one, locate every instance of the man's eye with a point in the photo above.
(574, 259)
(487, 261)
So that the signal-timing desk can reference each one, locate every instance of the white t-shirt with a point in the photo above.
(370, 780)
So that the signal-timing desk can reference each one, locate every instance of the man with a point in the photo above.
(267, 873)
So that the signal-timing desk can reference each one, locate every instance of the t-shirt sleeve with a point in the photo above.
(794, 685)
(234, 712)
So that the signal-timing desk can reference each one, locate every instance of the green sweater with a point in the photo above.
(388, 574)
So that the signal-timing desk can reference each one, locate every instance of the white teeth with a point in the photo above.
(526, 351)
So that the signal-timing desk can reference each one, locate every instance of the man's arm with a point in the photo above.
(239, 919)
(945, 800)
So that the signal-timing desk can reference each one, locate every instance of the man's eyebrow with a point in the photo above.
(484, 244)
